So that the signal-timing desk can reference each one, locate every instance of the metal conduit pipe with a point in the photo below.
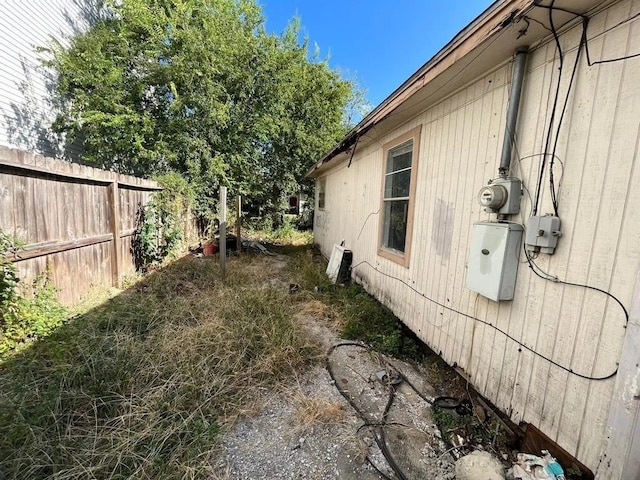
(512, 110)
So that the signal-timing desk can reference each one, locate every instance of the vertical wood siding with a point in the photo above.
(600, 246)
(27, 106)
(47, 210)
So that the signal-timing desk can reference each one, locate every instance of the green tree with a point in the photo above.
(200, 88)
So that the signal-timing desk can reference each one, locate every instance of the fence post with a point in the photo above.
(114, 220)
(238, 231)
(223, 231)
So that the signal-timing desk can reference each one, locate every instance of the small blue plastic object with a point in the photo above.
(556, 470)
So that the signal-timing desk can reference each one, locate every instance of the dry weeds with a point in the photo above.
(312, 411)
(141, 386)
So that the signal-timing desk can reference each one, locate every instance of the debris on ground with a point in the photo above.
(279, 444)
(532, 467)
(250, 246)
(396, 425)
(365, 415)
(257, 247)
(479, 465)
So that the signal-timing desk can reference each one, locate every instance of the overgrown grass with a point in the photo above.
(286, 235)
(359, 315)
(141, 386)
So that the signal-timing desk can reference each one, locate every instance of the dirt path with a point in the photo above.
(311, 431)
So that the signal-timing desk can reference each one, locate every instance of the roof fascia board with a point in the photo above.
(463, 43)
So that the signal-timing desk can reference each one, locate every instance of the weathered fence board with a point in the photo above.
(76, 221)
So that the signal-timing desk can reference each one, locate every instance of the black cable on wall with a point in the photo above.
(507, 335)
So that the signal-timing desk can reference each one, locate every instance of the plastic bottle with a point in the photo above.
(553, 468)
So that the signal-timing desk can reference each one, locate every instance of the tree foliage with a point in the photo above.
(200, 88)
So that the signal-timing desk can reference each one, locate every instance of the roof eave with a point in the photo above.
(480, 29)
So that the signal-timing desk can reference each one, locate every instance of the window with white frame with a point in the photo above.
(398, 195)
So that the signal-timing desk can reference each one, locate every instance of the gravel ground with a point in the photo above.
(310, 431)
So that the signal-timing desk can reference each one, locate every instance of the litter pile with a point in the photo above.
(481, 465)
(209, 248)
(531, 467)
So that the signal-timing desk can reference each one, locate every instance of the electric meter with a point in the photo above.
(492, 197)
(501, 196)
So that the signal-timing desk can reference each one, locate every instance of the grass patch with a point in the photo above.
(312, 411)
(141, 386)
(358, 315)
(472, 429)
(286, 235)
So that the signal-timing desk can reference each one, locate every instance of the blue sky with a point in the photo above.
(379, 42)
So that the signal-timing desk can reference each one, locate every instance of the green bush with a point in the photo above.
(159, 224)
(24, 316)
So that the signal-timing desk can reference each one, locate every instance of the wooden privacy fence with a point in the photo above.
(77, 221)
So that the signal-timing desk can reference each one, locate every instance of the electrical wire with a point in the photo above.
(553, 278)
(507, 335)
(547, 142)
(380, 472)
(365, 222)
(378, 436)
(535, 20)
(610, 60)
(552, 186)
(584, 43)
(353, 151)
(585, 18)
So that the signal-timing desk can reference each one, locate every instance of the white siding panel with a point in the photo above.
(26, 101)
(461, 140)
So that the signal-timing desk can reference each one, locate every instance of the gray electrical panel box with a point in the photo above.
(542, 234)
(493, 259)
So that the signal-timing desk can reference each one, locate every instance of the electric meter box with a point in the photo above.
(502, 195)
(493, 259)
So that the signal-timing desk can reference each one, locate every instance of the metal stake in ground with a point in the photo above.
(223, 231)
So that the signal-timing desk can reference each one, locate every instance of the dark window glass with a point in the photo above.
(395, 224)
(397, 187)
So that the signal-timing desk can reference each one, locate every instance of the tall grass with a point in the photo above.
(358, 315)
(141, 386)
(286, 235)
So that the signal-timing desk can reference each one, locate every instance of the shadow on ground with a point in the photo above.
(142, 385)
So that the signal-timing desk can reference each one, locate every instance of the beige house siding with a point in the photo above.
(460, 148)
